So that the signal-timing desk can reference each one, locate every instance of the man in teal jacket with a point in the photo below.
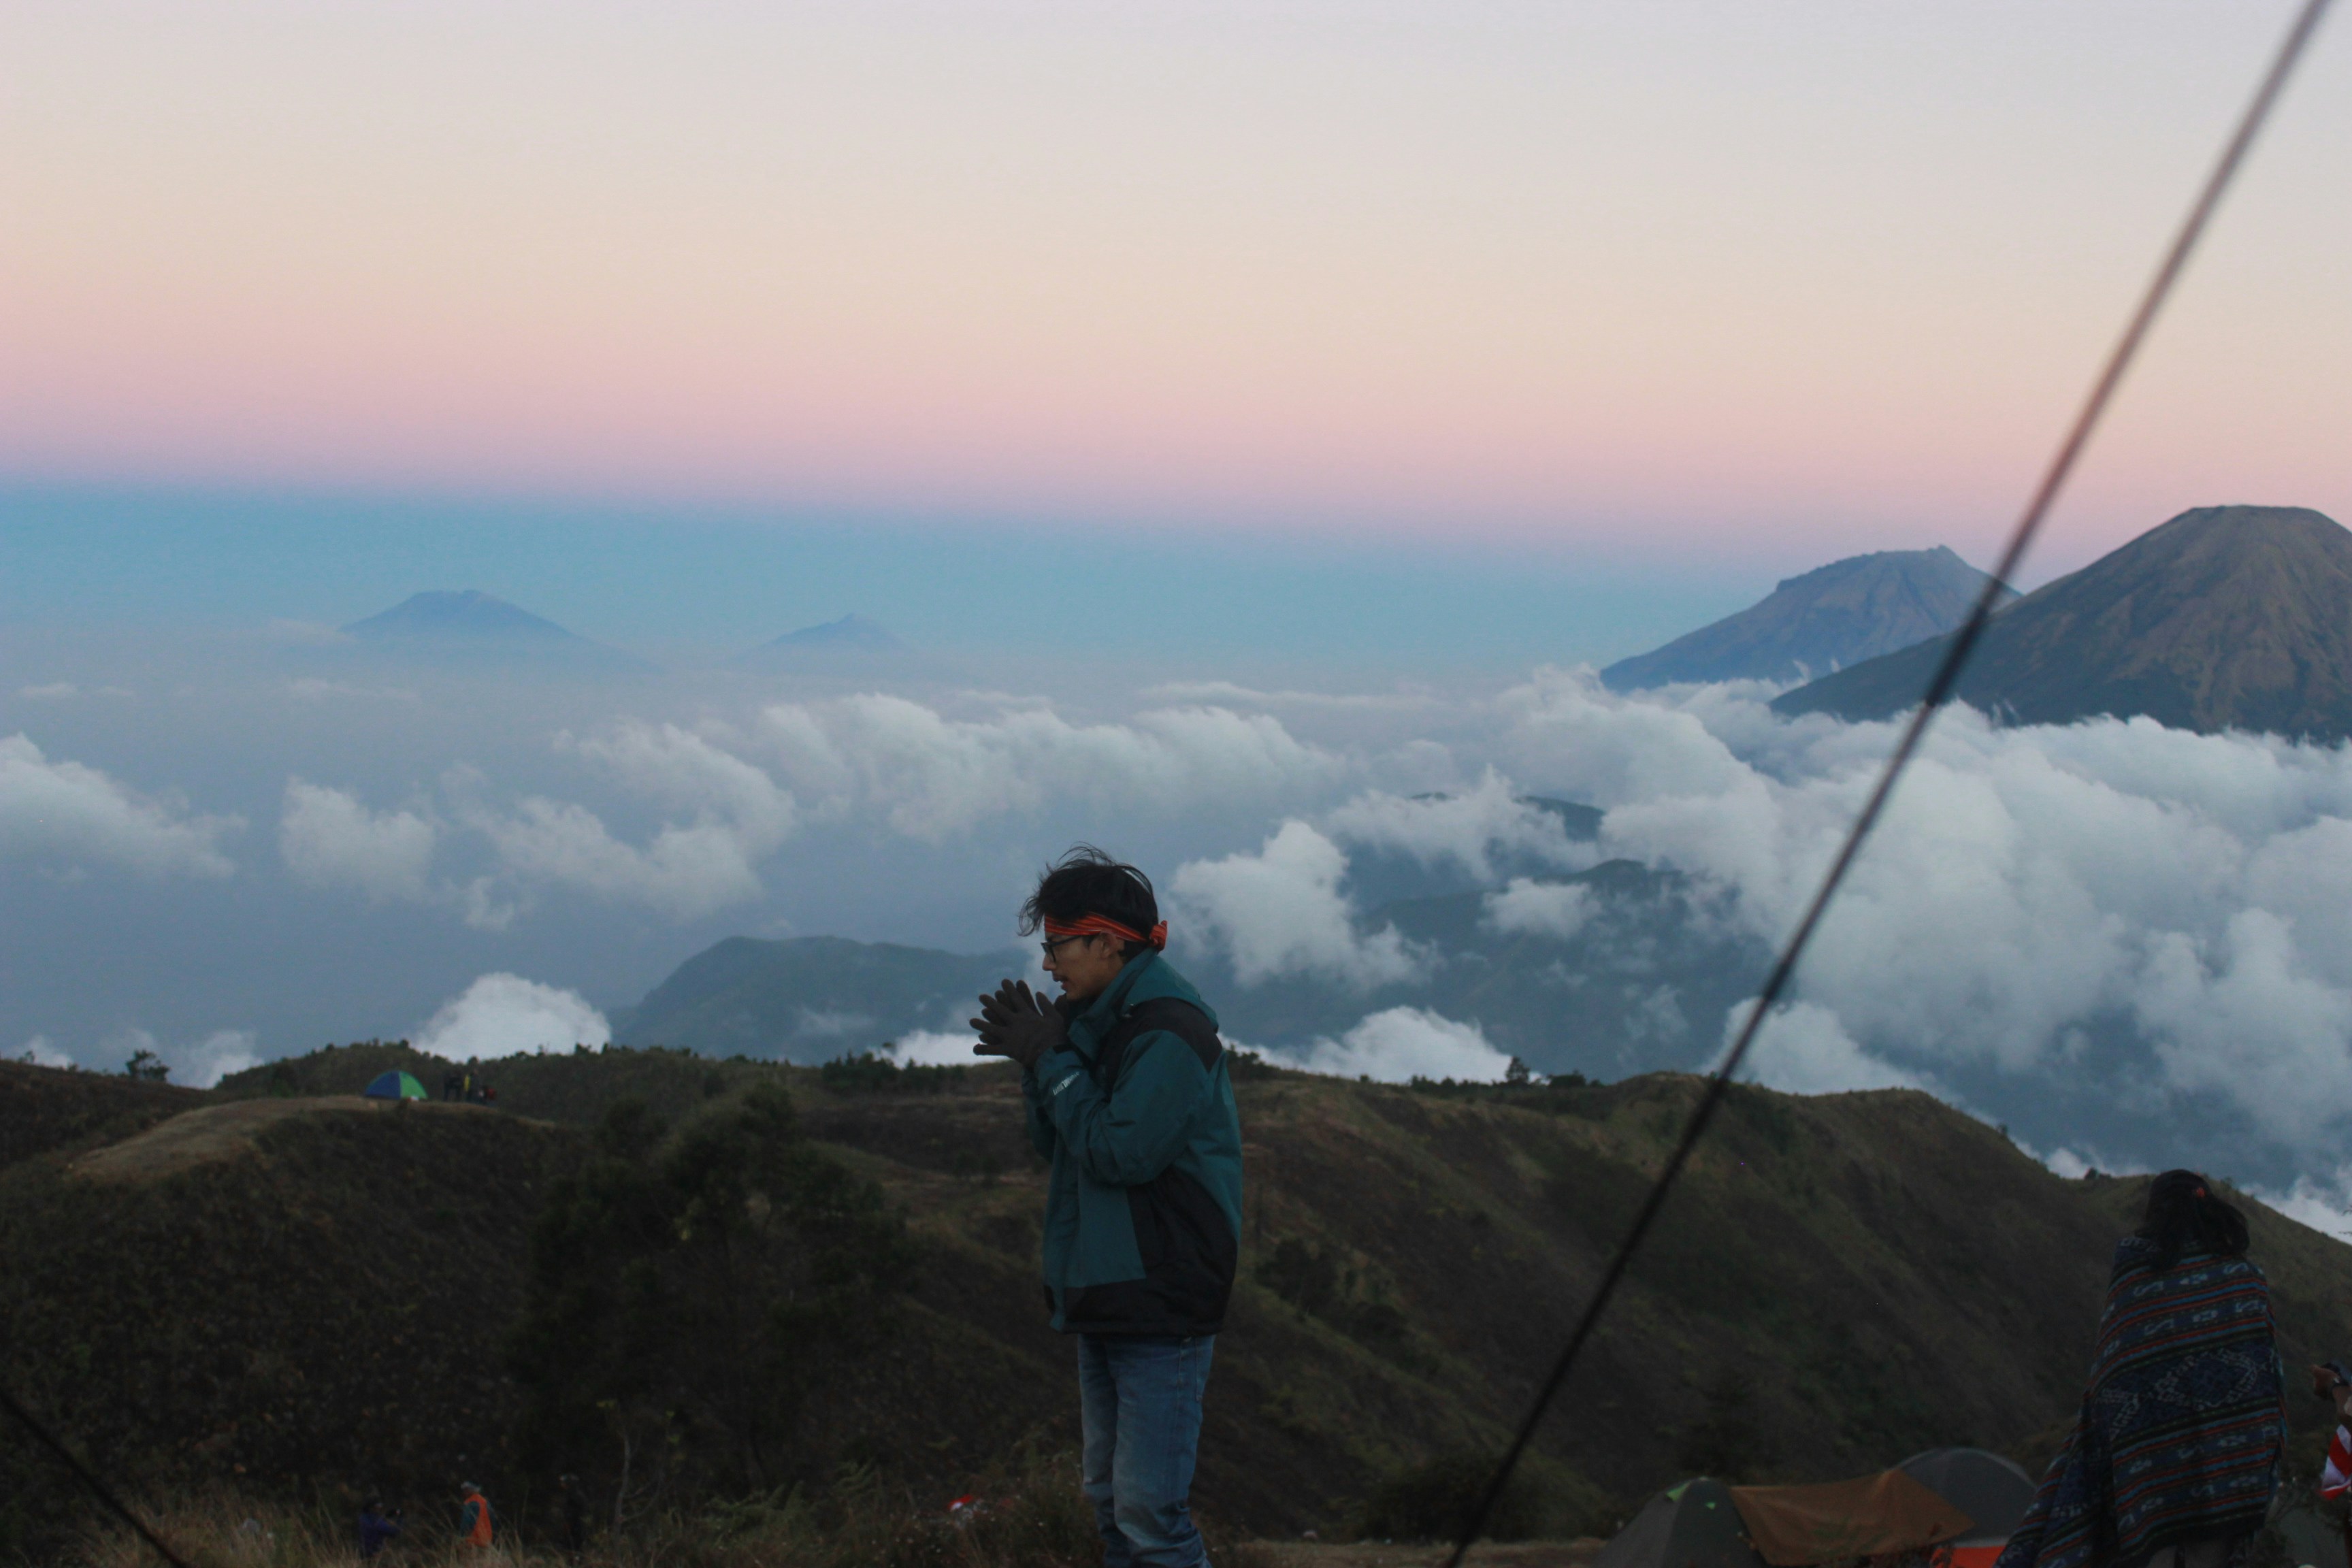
(1129, 1096)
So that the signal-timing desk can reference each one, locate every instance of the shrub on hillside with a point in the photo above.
(1434, 1501)
(1730, 1440)
(1311, 1280)
(687, 1289)
(866, 1072)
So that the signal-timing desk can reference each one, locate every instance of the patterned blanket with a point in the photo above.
(2182, 1431)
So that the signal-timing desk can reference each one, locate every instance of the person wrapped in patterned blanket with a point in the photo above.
(2175, 1454)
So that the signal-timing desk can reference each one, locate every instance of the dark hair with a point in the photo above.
(2183, 1215)
(1086, 881)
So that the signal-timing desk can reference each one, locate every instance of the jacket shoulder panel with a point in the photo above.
(1161, 1014)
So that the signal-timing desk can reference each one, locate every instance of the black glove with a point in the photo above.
(1019, 1023)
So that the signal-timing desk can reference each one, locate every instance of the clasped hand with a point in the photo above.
(1019, 1023)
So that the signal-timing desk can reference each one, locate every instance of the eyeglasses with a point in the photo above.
(1051, 942)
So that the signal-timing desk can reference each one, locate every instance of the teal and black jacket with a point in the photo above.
(1143, 1211)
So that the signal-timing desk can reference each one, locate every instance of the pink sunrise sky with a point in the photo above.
(1641, 279)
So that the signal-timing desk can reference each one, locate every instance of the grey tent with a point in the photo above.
(1987, 1487)
(1696, 1525)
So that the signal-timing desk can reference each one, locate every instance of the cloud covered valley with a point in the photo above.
(2126, 943)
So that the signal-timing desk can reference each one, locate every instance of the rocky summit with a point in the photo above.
(2227, 617)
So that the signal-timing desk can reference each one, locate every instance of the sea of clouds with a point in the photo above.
(2144, 929)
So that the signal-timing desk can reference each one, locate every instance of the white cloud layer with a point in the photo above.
(1803, 1049)
(2030, 891)
(1398, 1045)
(1466, 829)
(926, 1048)
(1529, 908)
(2319, 1204)
(328, 839)
(931, 776)
(734, 797)
(732, 817)
(506, 1016)
(74, 817)
(1280, 912)
(2153, 921)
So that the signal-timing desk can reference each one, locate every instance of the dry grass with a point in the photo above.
(1030, 1517)
(1376, 1554)
(215, 1132)
(223, 1532)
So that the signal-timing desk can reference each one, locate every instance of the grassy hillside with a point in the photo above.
(316, 1295)
(314, 1292)
(573, 1088)
(42, 1108)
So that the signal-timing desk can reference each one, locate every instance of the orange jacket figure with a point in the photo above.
(473, 1523)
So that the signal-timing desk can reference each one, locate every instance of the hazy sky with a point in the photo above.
(1663, 283)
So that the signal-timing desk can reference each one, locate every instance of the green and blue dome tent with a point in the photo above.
(395, 1086)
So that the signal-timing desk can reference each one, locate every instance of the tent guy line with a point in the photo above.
(1939, 689)
(88, 1478)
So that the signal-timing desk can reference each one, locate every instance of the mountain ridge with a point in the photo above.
(2226, 617)
(1824, 620)
(1880, 1272)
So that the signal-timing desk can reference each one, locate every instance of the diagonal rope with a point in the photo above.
(89, 1478)
(1939, 690)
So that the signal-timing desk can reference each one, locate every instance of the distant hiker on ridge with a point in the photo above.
(376, 1527)
(474, 1519)
(2175, 1455)
(1129, 1096)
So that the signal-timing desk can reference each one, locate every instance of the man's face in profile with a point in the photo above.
(1082, 966)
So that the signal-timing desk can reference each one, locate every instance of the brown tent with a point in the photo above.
(1864, 1517)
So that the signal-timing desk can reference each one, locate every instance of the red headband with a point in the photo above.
(1103, 925)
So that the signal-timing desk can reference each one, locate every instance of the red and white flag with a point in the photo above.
(2337, 1476)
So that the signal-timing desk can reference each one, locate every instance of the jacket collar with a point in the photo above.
(1105, 1010)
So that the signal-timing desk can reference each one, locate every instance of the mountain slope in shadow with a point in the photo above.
(320, 1300)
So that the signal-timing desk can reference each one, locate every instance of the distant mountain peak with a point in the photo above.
(849, 631)
(2223, 617)
(1825, 619)
(849, 641)
(466, 612)
(471, 626)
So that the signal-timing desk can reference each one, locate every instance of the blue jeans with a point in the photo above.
(1141, 1402)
